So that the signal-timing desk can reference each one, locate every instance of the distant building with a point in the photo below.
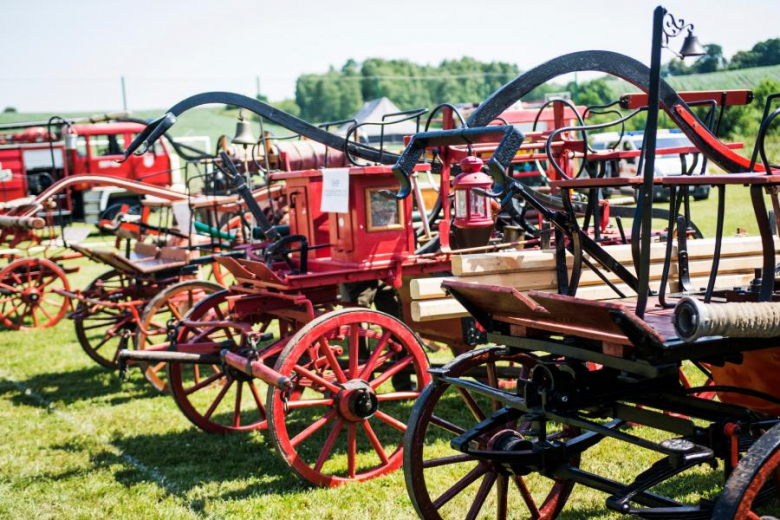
(372, 112)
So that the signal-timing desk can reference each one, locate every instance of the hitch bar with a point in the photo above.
(256, 369)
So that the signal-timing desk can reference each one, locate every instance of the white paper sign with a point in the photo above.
(335, 191)
(182, 215)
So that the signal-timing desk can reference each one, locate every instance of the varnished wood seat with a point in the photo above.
(145, 258)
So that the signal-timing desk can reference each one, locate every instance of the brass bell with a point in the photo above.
(244, 135)
(691, 47)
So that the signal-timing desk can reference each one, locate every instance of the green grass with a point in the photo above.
(725, 80)
(77, 443)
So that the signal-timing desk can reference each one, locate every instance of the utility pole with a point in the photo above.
(124, 95)
(257, 86)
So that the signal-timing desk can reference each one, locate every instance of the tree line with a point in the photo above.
(340, 92)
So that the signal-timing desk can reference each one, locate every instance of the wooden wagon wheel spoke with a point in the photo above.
(327, 447)
(354, 355)
(390, 421)
(484, 488)
(237, 406)
(526, 494)
(258, 401)
(469, 478)
(313, 427)
(309, 403)
(316, 378)
(373, 361)
(471, 404)
(351, 448)
(375, 443)
(446, 425)
(502, 485)
(326, 349)
(204, 383)
(218, 399)
(451, 459)
(45, 312)
(397, 396)
(390, 372)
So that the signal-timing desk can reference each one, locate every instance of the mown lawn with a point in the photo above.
(77, 443)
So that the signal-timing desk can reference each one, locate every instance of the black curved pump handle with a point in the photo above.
(239, 183)
(511, 139)
(149, 135)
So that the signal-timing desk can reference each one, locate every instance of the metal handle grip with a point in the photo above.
(510, 142)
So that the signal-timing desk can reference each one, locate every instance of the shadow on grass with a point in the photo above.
(242, 465)
(83, 384)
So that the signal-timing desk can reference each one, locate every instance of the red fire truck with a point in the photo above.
(34, 157)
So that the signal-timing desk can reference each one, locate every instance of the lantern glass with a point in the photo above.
(478, 204)
(461, 211)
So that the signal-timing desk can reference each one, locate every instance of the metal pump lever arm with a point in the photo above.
(278, 248)
(511, 139)
(158, 127)
(230, 171)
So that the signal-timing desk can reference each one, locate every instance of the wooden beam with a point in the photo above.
(430, 288)
(444, 308)
(534, 259)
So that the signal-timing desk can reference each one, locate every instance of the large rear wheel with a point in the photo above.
(751, 491)
(171, 304)
(103, 330)
(446, 483)
(348, 423)
(215, 398)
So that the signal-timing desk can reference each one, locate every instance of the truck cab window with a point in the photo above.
(103, 145)
(81, 146)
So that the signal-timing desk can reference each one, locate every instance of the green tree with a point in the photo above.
(762, 54)
(712, 61)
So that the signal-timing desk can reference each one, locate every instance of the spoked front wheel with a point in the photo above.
(103, 319)
(446, 483)
(29, 297)
(348, 423)
(215, 398)
(173, 303)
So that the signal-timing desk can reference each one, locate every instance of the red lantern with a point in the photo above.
(473, 220)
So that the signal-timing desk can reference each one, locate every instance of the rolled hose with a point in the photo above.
(694, 319)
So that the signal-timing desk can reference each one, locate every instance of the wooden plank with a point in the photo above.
(509, 261)
(445, 308)
(430, 288)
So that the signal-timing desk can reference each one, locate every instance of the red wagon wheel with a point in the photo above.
(348, 424)
(754, 483)
(100, 328)
(173, 303)
(445, 483)
(28, 297)
(213, 398)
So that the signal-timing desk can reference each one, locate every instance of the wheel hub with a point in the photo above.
(356, 401)
(31, 296)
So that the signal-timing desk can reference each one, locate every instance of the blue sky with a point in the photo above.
(70, 55)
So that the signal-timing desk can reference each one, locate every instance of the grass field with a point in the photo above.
(77, 443)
